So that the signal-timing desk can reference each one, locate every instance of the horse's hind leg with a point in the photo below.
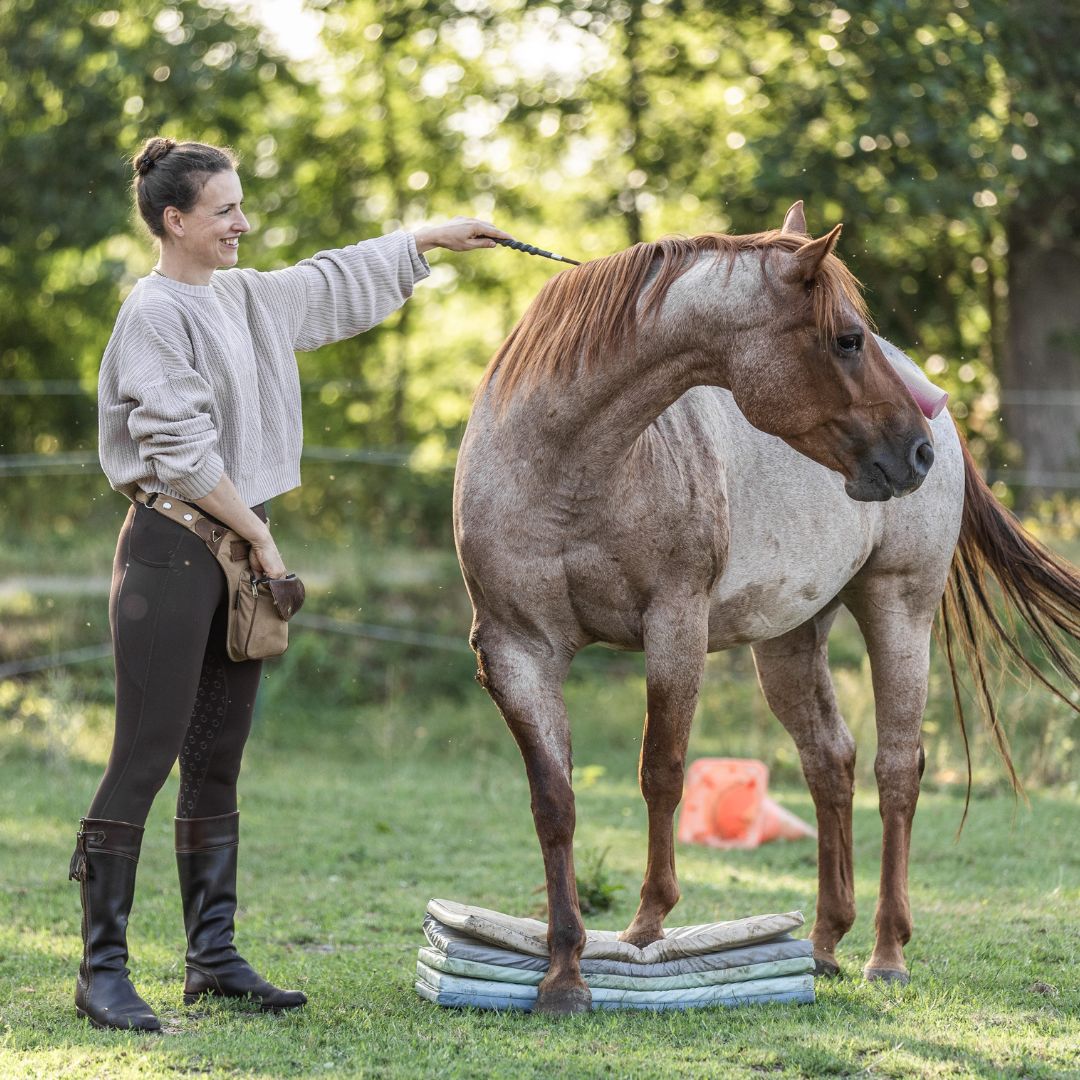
(794, 673)
(527, 688)
(895, 621)
(675, 647)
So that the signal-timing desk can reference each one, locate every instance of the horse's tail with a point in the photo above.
(1041, 590)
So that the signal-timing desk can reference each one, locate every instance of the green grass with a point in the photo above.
(380, 775)
(346, 839)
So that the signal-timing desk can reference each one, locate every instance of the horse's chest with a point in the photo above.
(613, 580)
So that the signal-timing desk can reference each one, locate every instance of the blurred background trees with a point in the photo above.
(943, 133)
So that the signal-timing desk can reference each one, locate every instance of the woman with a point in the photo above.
(199, 402)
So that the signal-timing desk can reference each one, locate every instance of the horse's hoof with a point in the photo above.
(896, 976)
(641, 938)
(574, 999)
(829, 969)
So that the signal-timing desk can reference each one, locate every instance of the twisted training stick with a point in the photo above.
(529, 249)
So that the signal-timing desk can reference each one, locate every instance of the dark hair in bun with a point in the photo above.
(171, 173)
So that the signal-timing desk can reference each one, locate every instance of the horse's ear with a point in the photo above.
(809, 257)
(795, 220)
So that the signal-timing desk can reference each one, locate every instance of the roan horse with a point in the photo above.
(643, 468)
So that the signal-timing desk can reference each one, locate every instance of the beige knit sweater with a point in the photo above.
(201, 380)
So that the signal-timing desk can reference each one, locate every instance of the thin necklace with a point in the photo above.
(161, 273)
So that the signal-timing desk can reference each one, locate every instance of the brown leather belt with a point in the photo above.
(190, 515)
(211, 531)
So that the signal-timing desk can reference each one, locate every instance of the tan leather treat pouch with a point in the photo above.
(256, 628)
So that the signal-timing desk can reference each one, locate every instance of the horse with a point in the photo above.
(694, 444)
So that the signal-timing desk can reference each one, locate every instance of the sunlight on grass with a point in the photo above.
(379, 776)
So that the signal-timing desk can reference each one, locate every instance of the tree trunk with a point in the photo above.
(1040, 376)
(635, 98)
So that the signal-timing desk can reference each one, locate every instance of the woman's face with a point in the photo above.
(208, 235)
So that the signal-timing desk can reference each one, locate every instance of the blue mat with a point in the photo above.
(459, 970)
(450, 990)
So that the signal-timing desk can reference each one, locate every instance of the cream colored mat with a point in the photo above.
(530, 936)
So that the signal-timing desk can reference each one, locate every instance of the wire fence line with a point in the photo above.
(85, 462)
(74, 388)
(400, 635)
(1058, 480)
(14, 668)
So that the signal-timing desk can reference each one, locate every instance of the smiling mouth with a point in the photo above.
(233, 242)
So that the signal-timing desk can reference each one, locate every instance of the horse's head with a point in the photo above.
(811, 372)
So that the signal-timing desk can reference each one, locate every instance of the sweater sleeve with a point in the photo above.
(172, 421)
(175, 434)
(337, 294)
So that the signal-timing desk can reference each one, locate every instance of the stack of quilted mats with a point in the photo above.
(481, 959)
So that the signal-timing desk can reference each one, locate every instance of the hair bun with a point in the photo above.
(153, 151)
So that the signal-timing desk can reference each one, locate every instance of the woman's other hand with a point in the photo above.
(461, 234)
(265, 558)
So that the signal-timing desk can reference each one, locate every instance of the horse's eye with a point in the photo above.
(849, 344)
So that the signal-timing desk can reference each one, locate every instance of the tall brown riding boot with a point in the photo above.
(105, 860)
(206, 851)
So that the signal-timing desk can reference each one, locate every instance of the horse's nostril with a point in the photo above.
(921, 457)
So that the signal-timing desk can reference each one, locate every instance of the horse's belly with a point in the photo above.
(757, 613)
(767, 597)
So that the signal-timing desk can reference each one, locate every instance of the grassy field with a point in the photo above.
(347, 839)
(380, 776)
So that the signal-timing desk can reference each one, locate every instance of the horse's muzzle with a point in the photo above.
(887, 475)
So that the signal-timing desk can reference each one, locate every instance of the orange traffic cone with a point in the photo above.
(780, 824)
(726, 805)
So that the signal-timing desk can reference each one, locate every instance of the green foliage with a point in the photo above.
(925, 127)
(596, 891)
(341, 853)
(80, 88)
(931, 129)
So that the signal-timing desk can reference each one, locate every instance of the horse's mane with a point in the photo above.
(590, 312)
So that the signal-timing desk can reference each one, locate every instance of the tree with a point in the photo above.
(82, 88)
(1040, 370)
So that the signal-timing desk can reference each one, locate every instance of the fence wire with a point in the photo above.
(85, 463)
(76, 463)
(401, 635)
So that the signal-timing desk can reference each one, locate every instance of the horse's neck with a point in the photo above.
(613, 407)
(590, 425)
(601, 412)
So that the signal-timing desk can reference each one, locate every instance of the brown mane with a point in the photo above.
(590, 313)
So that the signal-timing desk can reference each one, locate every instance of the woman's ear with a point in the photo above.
(173, 221)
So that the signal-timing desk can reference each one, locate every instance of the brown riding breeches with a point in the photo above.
(178, 695)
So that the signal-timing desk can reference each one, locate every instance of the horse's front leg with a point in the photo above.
(527, 688)
(794, 673)
(676, 640)
(897, 633)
